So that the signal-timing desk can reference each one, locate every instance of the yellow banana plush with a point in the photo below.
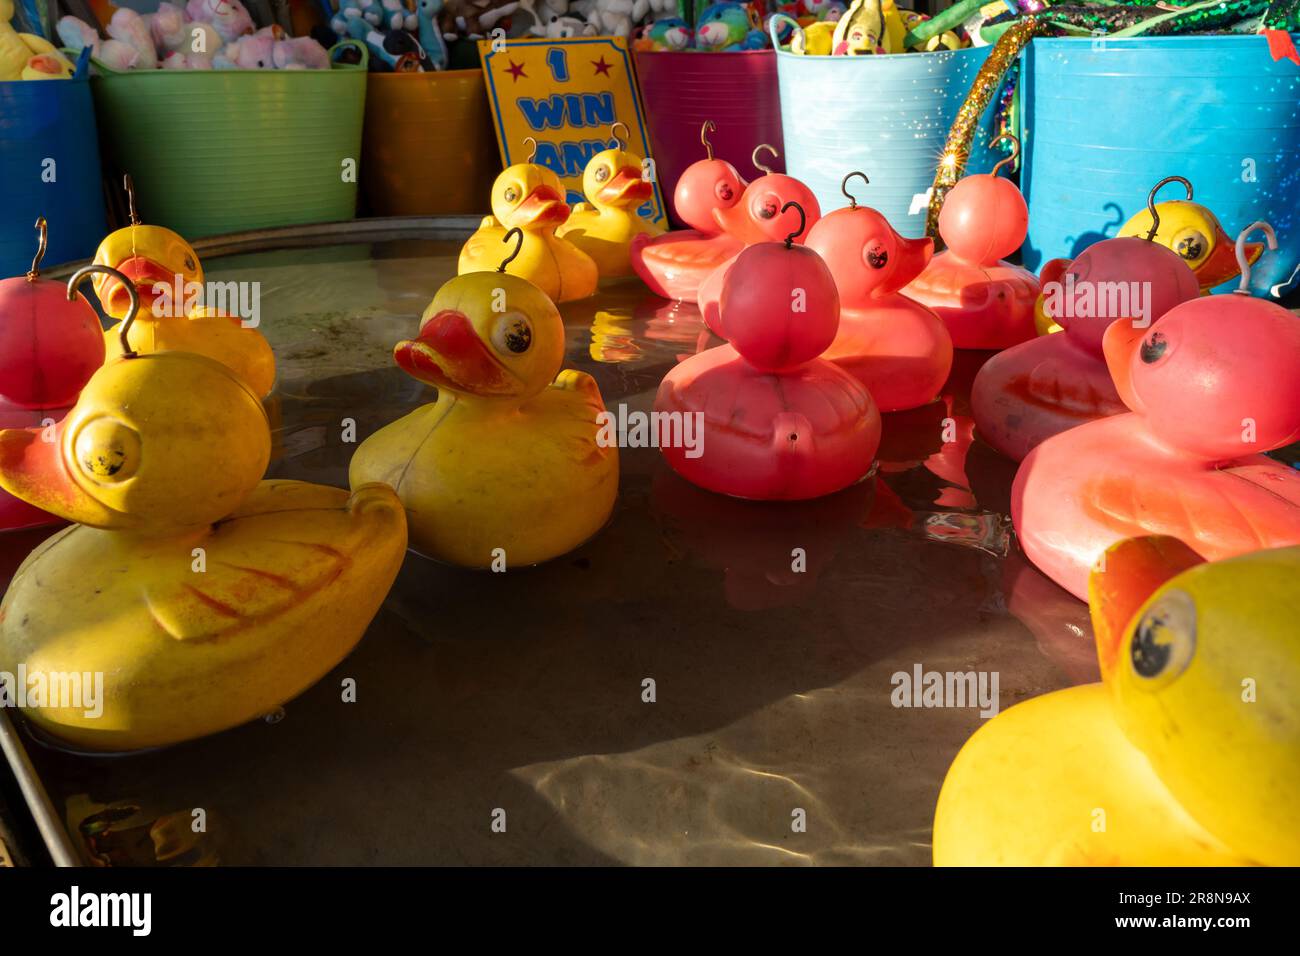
(194, 595)
(1187, 753)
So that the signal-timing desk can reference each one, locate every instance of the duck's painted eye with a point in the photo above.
(512, 333)
(189, 262)
(511, 194)
(1191, 245)
(767, 210)
(1164, 640)
(602, 173)
(724, 191)
(877, 256)
(107, 450)
(1154, 348)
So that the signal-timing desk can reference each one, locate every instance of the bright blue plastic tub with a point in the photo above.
(49, 166)
(887, 116)
(1108, 119)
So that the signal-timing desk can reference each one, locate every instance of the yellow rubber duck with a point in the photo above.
(505, 468)
(1195, 233)
(204, 596)
(530, 197)
(168, 279)
(614, 183)
(1187, 753)
(17, 49)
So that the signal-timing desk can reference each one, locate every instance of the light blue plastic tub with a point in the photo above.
(49, 166)
(1108, 119)
(887, 116)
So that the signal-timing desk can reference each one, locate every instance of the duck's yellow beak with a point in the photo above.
(541, 207)
(1128, 574)
(32, 468)
(626, 188)
(448, 353)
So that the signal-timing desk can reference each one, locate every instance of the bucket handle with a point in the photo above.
(82, 61)
(777, 19)
(365, 55)
(1243, 260)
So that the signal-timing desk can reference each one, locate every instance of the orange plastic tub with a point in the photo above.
(428, 148)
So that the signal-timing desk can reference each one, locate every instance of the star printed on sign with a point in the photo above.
(516, 70)
(601, 66)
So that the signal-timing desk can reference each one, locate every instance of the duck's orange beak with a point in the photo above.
(736, 222)
(32, 468)
(1221, 265)
(449, 354)
(144, 274)
(542, 207)
(1129, 573)
(627, 188)
(913, 256)
(1118, 345)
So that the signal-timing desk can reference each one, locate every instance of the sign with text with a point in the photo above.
(567, 95)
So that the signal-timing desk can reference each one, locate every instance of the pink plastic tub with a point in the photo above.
(737, 91)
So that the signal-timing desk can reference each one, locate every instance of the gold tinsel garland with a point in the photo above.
(956, 151)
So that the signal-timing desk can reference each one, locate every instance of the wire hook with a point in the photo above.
(1243, 261)
(1151, 202)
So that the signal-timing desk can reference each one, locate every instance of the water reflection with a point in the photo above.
(526, 691)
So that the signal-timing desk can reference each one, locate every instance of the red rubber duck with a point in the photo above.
(1040, 388)
(777, 421)
(673, 265)
(985, 303)
(758, 217)
(893, 345)
(1212, 385)
(51, 343)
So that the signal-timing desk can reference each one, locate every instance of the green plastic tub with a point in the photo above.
(218, 151)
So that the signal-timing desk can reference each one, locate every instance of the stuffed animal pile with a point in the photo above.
(205, 35)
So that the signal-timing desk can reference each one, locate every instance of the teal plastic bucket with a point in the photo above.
(49, 164)
(887, 116)
(1108, 119)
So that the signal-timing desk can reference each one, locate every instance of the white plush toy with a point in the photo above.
(130, 28)
(617, 17)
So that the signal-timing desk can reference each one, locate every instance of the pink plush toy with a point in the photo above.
(129, 27)
(300, 53)
(254, 52)
(229, 17)
(167, 27)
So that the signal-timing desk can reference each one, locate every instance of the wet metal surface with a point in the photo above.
(523, 692)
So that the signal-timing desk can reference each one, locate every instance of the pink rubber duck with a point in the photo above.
(758, 217)
(776, 421)
(51, 343)
(1040, 388)
(896, 347)
(1212, 385)
(674, 264)
(985, 302)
